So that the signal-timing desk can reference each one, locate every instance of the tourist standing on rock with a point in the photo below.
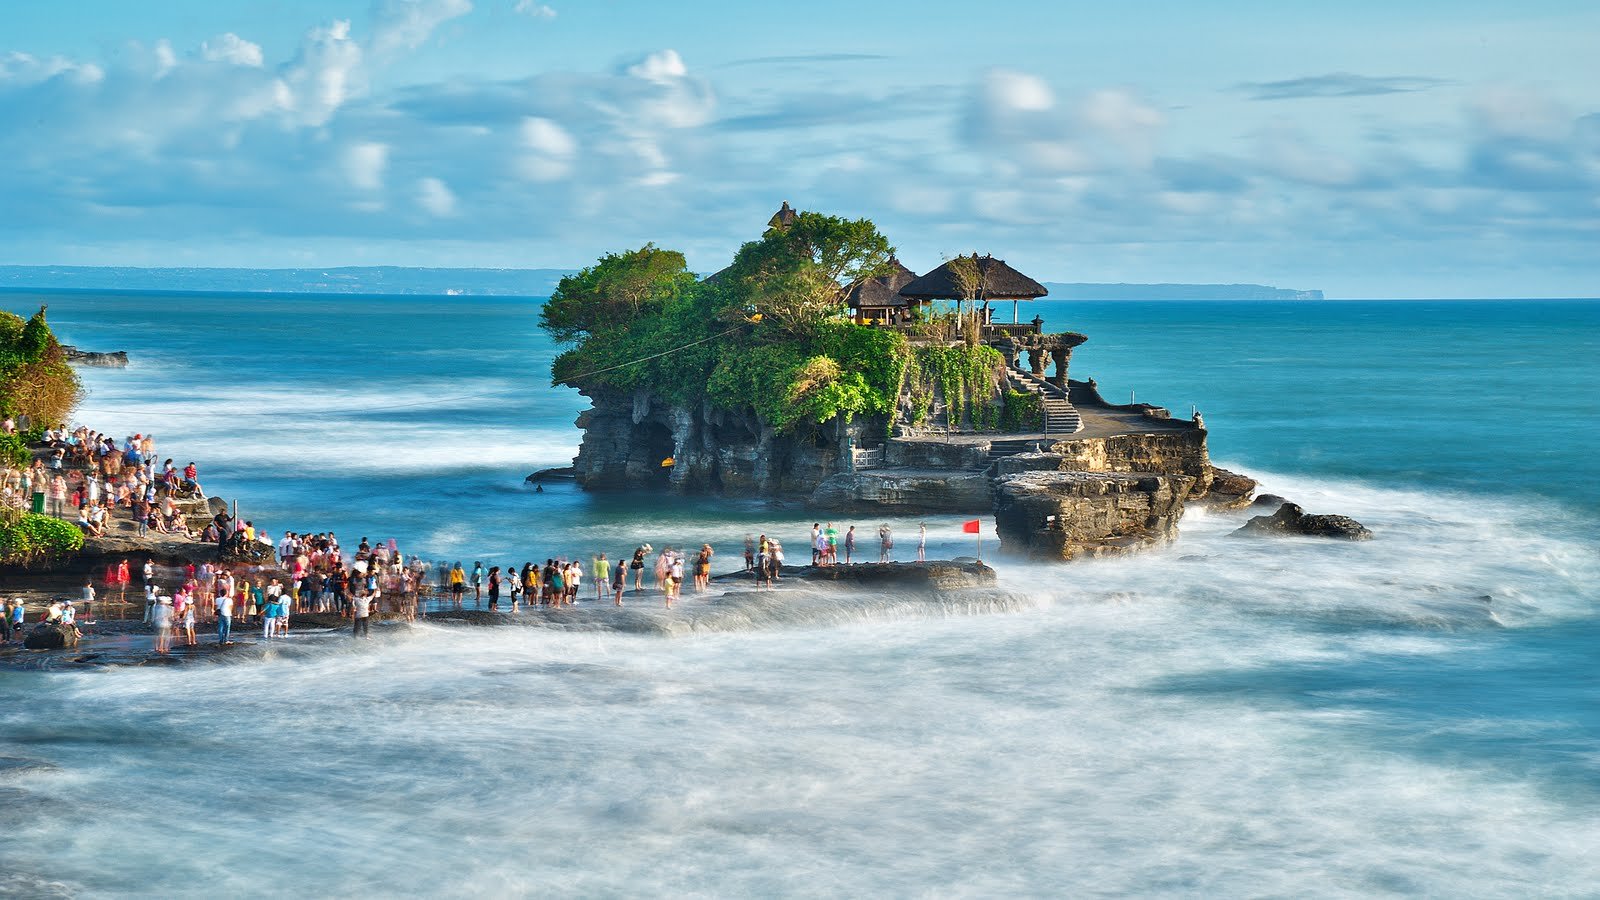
(849, 544)
(885, 542)
(188, 620)
(702, 568)
(5, 621)
(458, 583)
(494, 587)
(637, 566)
(224, 607)
(361, 612)
(164, 625)
(619, 581)
(477, 584)
(922, 542)
(602, 576)
(816, 543)
(749, 552)
(19, 615)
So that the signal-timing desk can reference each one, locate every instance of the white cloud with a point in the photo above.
(406, 24)
(325, 74)
(436, 197)
(1012, 90)
(166, 60)
(364, 165)
(661, 67)
(232, 49)
(552, 150)
(535, 9)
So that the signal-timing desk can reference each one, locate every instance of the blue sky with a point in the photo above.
(1372, 149)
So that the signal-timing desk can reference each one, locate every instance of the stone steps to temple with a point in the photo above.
(1060, 416)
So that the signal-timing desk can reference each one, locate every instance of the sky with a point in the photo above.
(1369, 149)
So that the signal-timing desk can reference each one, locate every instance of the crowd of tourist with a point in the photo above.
(262, 583)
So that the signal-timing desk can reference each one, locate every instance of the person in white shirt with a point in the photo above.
(224, 615)
(361, 612)
(163, 620)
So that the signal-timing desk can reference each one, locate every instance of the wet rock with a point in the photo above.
(51, 636)
(1067, 515)
(563, 473)
(931, 575)
(1291, 519)
(116, 359)
(1229, 490)
(1266, 504)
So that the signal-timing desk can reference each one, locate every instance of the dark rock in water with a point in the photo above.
(931, 575)
(1229, 490)
(117, 359)
(1291, 519)
(564, 473)
(51, 636)
(240, 550)
(1265, 503)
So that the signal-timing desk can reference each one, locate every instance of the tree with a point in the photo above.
(796, 277)
(617, 290)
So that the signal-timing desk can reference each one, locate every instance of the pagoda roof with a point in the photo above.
(997, 281)
(884, 290)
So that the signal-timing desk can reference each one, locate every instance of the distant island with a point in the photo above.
(490, 282)
(1059, 291)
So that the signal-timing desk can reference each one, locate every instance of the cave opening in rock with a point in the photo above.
(656, 445)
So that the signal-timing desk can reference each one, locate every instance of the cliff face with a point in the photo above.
(1067, 515)
(628, 437)
(1165, 452)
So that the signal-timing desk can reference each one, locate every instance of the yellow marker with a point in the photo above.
(668, 463)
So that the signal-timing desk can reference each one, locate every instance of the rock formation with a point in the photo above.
(1066, 515)
(1229, 490)
(51, 636)
(1291, 519)
(117, 359)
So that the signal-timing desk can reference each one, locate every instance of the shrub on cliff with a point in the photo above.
(26, 538)
(35, 379)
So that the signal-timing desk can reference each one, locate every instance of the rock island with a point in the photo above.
(817, 367)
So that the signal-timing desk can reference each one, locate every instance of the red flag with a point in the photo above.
(971, 527)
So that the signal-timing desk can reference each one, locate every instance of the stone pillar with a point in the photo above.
(1036, 362)
(1059, 358)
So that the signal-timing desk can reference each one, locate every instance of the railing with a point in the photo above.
(867, 459)
(1012, 329)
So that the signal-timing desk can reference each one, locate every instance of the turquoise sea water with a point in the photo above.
(1417, 714)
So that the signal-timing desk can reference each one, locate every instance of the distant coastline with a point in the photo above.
(489, 282)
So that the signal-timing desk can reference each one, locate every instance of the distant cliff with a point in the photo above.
(1176, 292)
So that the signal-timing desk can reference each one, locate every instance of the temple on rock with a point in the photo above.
(984, 418)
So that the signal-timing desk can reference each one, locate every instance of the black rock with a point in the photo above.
(51, 636)
(1291, 519)
(1265, 502)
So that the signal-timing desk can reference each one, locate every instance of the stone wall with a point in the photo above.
(1068, 515)
(1170, 452)
(964, 492)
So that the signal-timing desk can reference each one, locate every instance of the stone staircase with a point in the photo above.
(1002, 448)
(1060, 416)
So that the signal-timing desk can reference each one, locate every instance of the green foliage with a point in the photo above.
(795, 278)
(14, 452)
(767, 335)
(27, 538)
(964, 375)
(35, 379)
(618, 290)
(1021, 412)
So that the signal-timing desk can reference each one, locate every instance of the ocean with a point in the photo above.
(1419, 714)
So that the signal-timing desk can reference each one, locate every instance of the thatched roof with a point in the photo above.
(783, 218)
(883, 290)
(998, 282)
